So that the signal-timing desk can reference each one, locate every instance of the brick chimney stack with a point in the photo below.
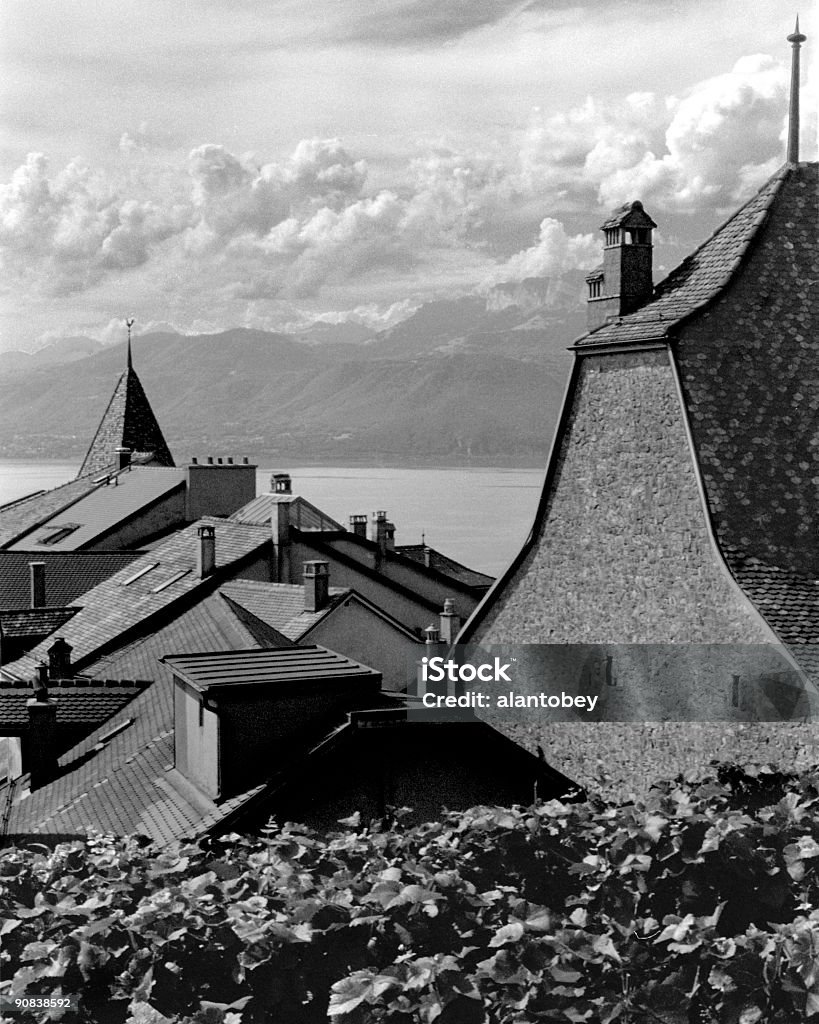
(40, 742)
(206, 551)
(316, 585)
(280, 483)
(123, 456)
(358, 526)
(37, 579)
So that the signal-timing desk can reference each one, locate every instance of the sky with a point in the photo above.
(206, 164)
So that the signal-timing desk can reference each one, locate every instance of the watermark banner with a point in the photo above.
(615, 682)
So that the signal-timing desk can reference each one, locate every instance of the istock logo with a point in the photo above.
(436, 670)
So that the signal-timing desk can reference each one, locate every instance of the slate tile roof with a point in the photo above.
(20, 516)
(79, 702)
(138, 596)
(279, 605)
(31, 622)
(68, 574)
(699, 279)
(303, 514)
(446, 566)
(130, 785)
(128, 421)
(103, 508)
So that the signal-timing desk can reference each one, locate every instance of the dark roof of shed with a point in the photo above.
(699, 279)
(206, 672)
(68, 574)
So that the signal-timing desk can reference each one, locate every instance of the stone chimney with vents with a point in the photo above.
(206, 551)
(37, 579)
(280, 483)
(59, 660)
(123, 455)
(316, 585)
(624, 282)
(358, 526)
(39, 753)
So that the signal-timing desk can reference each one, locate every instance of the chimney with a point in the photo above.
(280, 528)
(450, 622)
(280, 483)
(316, 585)
(358, 526)
(382, 533)
(59, 660)
(123, 456)
(624, 282)
(38, 584)
(206, 551)
(40, 744)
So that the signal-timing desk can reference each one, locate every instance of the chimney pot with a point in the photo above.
(38, 584)
(450, 622)
(206, 551)
(194, 461)
(280, 483)
(219, 460)
(245, 461)
(358, 525)
(123, 456)
(210, 460)
(230, 460)
(432, 635)
(316, 585)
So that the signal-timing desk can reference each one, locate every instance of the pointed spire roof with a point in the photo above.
(128, 422)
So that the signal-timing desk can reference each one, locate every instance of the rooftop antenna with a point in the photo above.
(796, 38)
(129, 323)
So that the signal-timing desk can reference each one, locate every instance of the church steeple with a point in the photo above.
(128, 423)
(796, 38)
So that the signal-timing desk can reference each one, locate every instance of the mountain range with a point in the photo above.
(475, 379)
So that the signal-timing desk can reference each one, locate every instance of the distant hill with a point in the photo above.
(455, 380)
(66, 350)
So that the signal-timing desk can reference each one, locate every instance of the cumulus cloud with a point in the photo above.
(70, 230)
(555, 253)
(722, 138)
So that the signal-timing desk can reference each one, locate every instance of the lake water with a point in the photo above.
(477, 516)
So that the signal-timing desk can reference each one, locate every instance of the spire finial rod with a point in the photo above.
(129, 323)
(796, 38)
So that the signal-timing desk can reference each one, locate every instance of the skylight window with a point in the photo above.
(139, 574)
(173, 579)
(55, 534)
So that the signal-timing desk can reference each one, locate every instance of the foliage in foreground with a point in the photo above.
(698, 905)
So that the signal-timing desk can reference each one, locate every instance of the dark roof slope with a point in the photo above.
(128, 421)
(68, 574)
(699, 279)
(33, 622)
(446, 566)
(279, 605)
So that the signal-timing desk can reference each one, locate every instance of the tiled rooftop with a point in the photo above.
(279, 605)
(303, 515)
(67, 574)
(96, 514)
(79, 701)
(147, 587)
(20, 516)
(32, 622)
